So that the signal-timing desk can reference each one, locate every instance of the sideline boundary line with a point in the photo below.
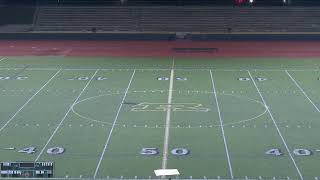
(113, 125)
(168, 119)
(276, 125)
(156, 69)
(222, 126)
(71, 178)
(27, 102)
(64, 117)
(303, 92)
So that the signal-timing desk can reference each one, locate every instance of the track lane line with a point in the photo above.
(303, 92)
(27, 102)
(276, 125)
(113, 125)
(64, 117)
(222, 126)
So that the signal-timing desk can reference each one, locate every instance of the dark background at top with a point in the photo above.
(156, 2)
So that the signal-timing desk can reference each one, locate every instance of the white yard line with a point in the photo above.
(304, 93)
(276, 125)
(168, 119)
(113, 125)
(64, 117)
(221, 126)
(27, 102)
(3, 58)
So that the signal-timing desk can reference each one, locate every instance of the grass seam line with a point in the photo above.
(222, 126)
(277, 127)
(113, 125)
(64, 117)
(303, 92)
(27, 102)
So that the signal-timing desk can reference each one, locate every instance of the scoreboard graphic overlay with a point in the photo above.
(27, 169)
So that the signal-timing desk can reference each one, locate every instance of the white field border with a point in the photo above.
(303, 92)
(222, 126)
(113, 125)
(27, 102)
(158, 69)
(278, 130)
(64, 117)
(168, 120)
(73, 178)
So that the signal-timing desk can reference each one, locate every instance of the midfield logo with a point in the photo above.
(182, 107)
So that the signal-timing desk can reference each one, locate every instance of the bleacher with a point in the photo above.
(179, 19)
(85, 18)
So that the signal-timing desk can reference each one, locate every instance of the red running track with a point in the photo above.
(292, 49)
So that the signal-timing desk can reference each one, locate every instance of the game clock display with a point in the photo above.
(27, 169)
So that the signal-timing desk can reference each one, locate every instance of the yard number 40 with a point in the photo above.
(297, 152)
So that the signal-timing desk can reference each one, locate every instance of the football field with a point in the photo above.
(122, 118)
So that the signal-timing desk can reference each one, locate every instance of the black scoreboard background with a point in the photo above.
(27, 169)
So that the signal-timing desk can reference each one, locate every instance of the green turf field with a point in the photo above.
(224, 118)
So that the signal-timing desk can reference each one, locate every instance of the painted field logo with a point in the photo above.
(183, 107)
